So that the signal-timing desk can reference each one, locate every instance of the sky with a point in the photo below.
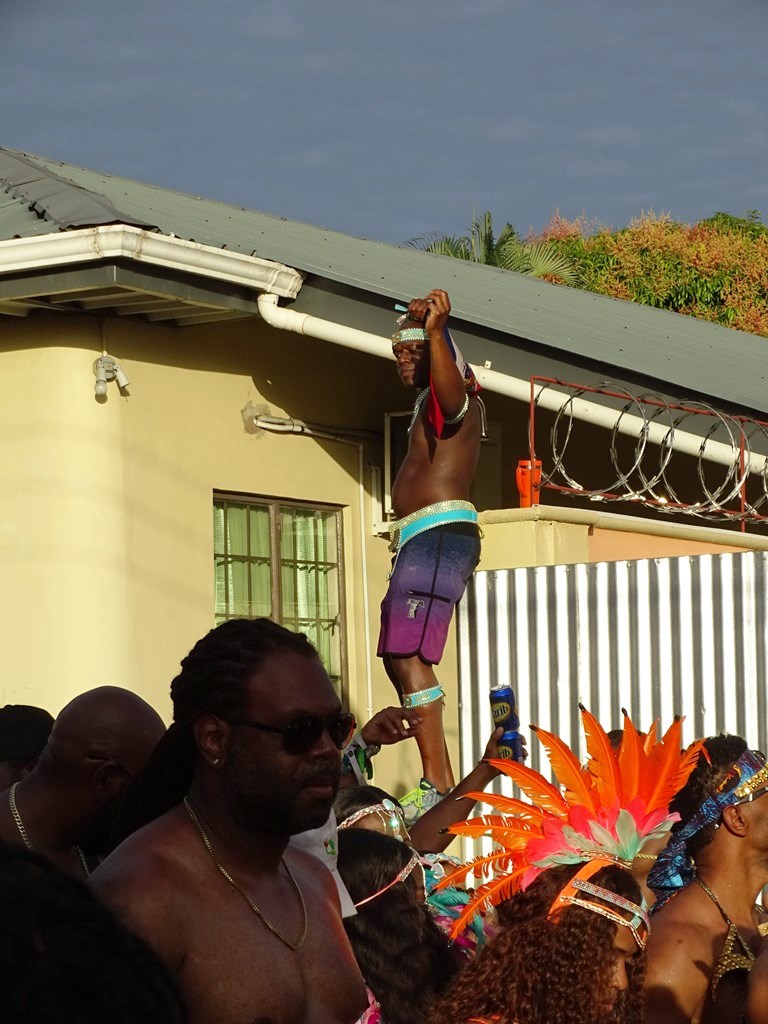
(398, 119)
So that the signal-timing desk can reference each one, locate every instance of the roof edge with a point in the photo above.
(116, 241)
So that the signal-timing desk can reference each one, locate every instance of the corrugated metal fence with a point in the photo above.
(657, 636)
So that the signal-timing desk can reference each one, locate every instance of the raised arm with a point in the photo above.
(447, 383)
(428, 833)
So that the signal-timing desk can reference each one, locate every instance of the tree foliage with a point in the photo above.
(538, 257)
(716, 270)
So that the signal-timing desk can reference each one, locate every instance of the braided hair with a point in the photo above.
(214, 678)
(709, 774)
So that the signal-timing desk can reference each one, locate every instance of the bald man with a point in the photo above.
(63, 809)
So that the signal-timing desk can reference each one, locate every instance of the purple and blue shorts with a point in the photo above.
(430, 574)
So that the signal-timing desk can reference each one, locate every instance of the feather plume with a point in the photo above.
(664, 760)
(478, 866)
(632, 757)
(508, 805)
(603, 764)
(493, 892)
(534, 785)
(572, 777)
(651, 737)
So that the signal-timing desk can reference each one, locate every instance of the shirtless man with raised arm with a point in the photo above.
(435, 538)
(249, 925)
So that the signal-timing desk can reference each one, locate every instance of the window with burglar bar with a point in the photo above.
(282, 560)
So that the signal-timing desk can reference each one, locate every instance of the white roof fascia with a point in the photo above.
(122, 241)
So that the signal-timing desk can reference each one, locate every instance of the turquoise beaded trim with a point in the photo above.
(423, 697)
(409, 334)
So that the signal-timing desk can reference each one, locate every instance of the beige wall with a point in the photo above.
(105, 508)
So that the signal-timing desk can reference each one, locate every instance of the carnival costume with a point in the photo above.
(602, 814)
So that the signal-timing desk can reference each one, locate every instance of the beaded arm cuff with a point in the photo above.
(423, 697)
(460, 414)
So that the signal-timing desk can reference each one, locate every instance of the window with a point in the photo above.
(283, 561)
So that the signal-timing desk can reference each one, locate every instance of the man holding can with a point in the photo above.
(435, 539)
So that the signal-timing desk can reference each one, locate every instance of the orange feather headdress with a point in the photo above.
(606, 810)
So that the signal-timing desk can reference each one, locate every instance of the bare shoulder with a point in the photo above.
(680, 959)
(145, 881)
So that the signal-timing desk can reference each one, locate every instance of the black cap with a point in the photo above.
(24, 731)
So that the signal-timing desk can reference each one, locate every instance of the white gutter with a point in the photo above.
(280, 425)
(513, 387)
(121, 241)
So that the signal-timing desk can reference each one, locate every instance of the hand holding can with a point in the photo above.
(504, 714)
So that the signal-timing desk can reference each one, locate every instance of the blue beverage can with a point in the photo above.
(504, 714)
(511, 746)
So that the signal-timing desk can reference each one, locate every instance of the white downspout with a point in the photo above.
(278, 425)
(505, 384)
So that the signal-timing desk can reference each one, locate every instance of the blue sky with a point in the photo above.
(398, 119)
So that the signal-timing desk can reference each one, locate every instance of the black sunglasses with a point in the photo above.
(303, 733)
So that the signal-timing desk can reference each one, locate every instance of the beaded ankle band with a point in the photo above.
(423, 697)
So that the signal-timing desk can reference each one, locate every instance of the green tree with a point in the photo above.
(507, 251)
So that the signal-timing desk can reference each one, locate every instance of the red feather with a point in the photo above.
(534, 785)
(603, 763)
(577, 783)
(664, 761)
(508, 805)
(492, 893)
(632, 758)
(478, 866)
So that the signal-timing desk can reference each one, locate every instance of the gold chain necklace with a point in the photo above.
(286, 942)
(25, 837)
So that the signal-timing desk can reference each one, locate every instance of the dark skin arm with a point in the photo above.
(447, 383)
(428, 833)
(388, 726)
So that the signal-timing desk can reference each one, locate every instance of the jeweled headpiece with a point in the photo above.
(601, 813)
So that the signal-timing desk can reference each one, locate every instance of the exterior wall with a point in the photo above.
(547, 535)
(106, 507)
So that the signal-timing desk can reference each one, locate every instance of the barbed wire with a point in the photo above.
(658, 428)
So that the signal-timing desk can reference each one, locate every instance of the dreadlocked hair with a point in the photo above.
(405, 959)
(542, 971)
(213, 678)
(65, 957)
(706, 778)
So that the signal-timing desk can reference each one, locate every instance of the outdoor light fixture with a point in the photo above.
(105, 369)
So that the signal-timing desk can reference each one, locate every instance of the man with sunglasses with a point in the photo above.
(705, 933)
(249, 925)
(64, 807)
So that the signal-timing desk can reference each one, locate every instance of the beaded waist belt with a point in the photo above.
(439, 514)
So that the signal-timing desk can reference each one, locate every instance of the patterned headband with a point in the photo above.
(674, 870)
(401, 876)
(580, 892)
(389, 814)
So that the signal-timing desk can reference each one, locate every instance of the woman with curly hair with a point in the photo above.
(404, 957)
(573, 921)
(576, 968)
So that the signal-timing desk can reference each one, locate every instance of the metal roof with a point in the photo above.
(730, 366)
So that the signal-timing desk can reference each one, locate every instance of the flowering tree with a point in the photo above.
(715, 270)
